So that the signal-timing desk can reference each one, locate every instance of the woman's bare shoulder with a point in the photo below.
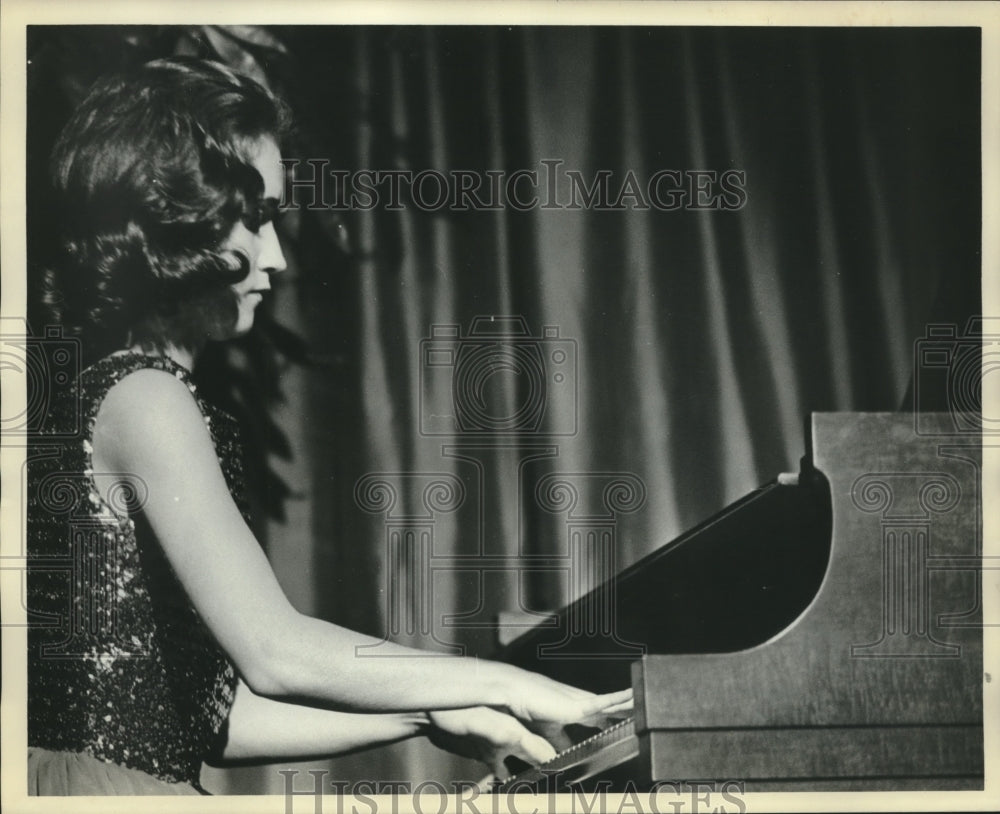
(146, 410)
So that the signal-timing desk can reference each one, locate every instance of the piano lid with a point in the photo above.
(730, 583)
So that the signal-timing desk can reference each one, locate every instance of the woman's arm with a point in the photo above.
(150, 427)
(262, 730)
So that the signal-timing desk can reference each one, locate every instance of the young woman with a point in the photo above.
(178, 645)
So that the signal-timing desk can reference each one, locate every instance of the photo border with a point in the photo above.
(15, 15)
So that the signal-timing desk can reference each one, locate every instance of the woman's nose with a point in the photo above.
(271, 259)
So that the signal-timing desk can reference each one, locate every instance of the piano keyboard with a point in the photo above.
(608, 748)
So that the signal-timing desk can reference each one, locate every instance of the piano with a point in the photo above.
(822, 633)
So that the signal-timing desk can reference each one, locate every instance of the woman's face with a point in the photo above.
(262, 248)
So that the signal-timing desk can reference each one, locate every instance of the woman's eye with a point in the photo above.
(269, 211)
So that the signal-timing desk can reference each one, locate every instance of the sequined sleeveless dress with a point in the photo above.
(120, 666)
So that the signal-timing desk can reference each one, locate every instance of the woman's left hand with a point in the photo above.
(487, 735)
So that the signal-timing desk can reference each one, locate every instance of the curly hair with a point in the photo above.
(150, 176)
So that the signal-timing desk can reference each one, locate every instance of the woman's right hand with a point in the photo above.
(533, 697)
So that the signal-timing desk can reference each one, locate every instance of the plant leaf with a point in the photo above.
(235, 55)
(255, 35)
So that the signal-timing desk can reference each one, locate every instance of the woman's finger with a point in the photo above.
(624, 706)
(535, 749)
(612, 701)
(613, 698)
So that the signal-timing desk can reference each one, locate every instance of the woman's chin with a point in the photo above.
(241, 328)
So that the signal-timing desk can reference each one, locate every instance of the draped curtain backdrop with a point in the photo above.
(695, 343)
(702, 339)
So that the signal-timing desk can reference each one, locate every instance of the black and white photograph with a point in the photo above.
(510, 409)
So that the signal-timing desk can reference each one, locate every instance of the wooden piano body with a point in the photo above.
(824, 632)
